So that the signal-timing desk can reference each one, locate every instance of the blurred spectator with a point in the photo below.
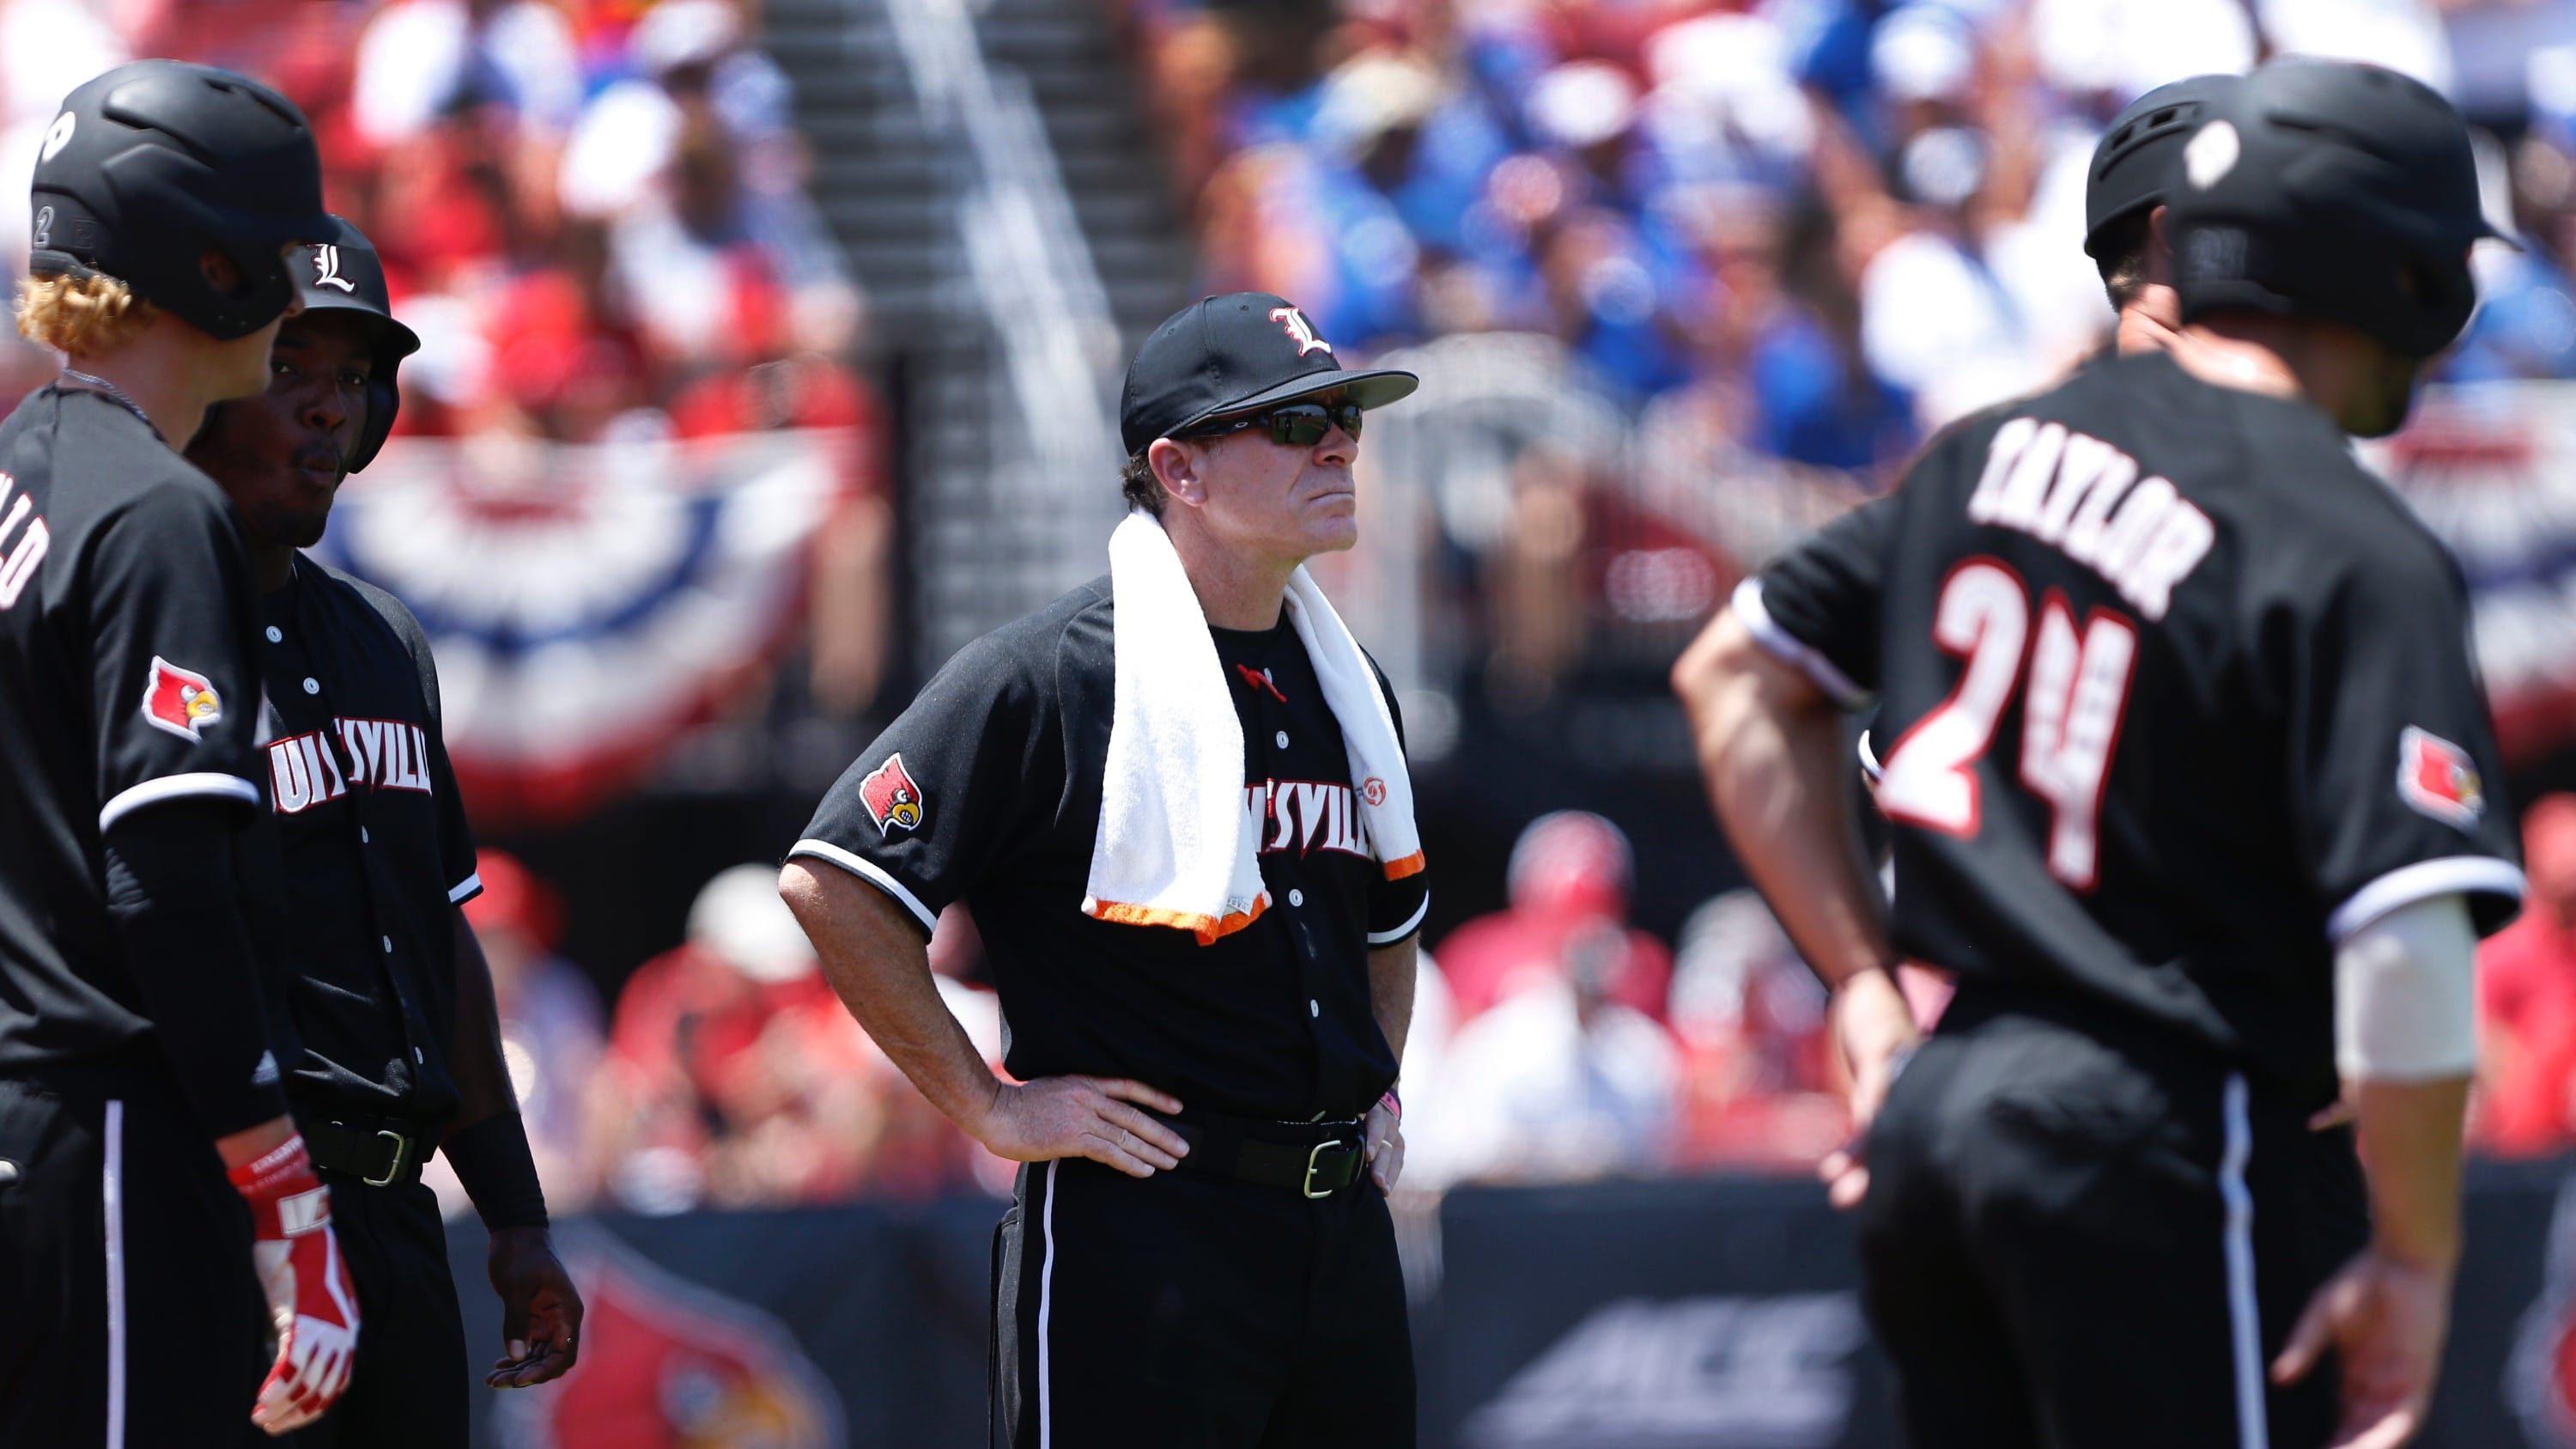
(423, 61)
(2527, 998)
(551, 1026)
(1569, 877)
(731, 1066)
(1763, 1084)
(1556, 1083)
(735, 1075)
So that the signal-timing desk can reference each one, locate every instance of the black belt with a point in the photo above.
(1317, 1159)
(376, 1151)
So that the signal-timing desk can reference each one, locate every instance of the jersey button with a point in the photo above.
(1296, 898)
(1282, 738)
(389, 944)
(276, 635)
(362, 835)
(1314, 1007)
(312, 685)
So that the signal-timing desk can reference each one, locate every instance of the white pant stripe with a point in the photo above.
(1046, 1297)
(112, 1198)
(2244, 1321)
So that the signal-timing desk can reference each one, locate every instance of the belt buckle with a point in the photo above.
(1314, 1160)
(402, 1145)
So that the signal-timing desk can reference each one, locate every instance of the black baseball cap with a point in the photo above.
(2139, 158)
(1236, 354)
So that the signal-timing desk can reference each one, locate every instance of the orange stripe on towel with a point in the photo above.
(1410, 865)
(1206, 927)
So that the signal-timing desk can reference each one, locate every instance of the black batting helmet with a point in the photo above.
(2137, 159)
(2331, 190)
(344, 274)
(153, 164)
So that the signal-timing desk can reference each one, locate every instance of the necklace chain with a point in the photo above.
(114, 394)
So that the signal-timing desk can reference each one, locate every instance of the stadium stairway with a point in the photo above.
(988, 174)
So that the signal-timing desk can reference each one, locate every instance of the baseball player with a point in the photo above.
(136, 1073)
(2187, 769)
(379, 986)
(2124, 203)
(1198, 1252)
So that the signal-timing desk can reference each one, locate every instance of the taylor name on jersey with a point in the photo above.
(385, 754)
(2062, 487)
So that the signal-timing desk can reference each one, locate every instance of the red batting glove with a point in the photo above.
(309, 1297)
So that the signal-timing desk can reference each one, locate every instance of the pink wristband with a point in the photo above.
(1392, 1104)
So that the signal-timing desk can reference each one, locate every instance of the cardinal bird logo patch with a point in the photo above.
(2437, 778)
(181, 701)
(891, 797)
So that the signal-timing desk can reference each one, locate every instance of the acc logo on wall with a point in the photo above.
(1774, 1372)
(669, 1364)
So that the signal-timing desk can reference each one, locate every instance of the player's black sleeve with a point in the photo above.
(1816, 606)
(455, 837)
(2393, 761)
(172, 683)
(170, 892)
(927, 808)
(1396, 907)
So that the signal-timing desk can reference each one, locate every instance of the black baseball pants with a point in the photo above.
(130, 1317)
(408, 1386)
(2080, 1236)
(1191, 1312)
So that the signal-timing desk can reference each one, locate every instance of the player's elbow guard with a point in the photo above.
(2406, 995)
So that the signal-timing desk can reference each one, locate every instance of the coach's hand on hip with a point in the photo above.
(1875, 1028)
(1081, 1117)
(1385, 1146)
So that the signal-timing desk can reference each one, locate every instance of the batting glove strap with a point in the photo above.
(286, 1199)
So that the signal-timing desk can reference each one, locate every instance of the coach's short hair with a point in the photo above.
(1138, 485)
(2121, 256)
(81, 314)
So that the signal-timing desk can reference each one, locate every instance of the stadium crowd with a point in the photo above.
(592, 214)
(1816, 228)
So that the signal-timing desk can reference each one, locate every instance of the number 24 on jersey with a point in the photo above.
(2074, 681)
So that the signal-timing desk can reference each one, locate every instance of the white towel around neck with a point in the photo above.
(1177, 837)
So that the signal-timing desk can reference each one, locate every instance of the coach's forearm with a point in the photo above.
(2410, 1149)
(1770, 747)
(876, 960)
(1391, 990)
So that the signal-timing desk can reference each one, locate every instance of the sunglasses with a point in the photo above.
(1295, 425)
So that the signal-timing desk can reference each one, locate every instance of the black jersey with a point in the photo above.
(2173, 697)
(372, 851)
(1004, 753)
(125, 681)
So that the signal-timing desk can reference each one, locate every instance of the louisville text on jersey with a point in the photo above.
(181, 701)
(2083, 496)
(1305, 816)
(388, 754)
(893, 800)
(23, 539)
(2439, 779)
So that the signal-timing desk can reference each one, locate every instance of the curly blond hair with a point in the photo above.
(81, 314)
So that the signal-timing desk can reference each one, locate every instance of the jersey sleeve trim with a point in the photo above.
(466, 889)
(176, 787)
(2447, 875)
(1790, 650)
(826, 850)
(1411, 924)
